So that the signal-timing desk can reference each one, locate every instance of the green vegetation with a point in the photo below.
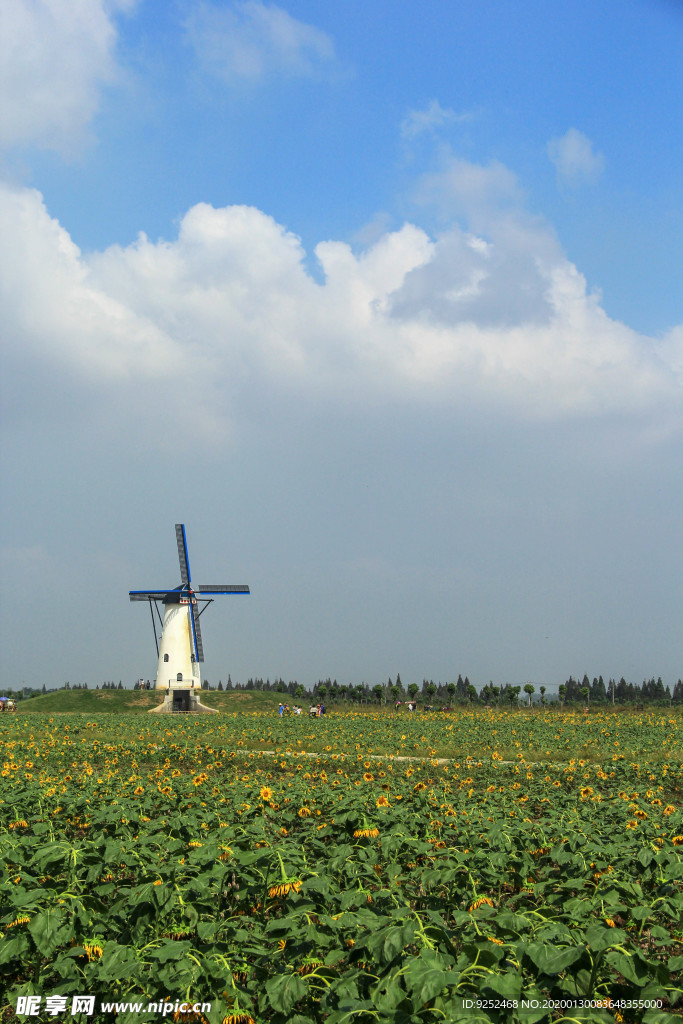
(98, 702)
(332, 881)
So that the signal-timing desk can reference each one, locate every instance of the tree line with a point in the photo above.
(462, 692)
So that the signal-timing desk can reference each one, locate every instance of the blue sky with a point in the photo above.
(382, 300)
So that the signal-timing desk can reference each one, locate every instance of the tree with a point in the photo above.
(395, 690)
(412, 690)
(585, 693)
(322, 692)
(471, 693)
(431, 689)
(529, 689)
(562, 691)
(542, 689)
(451, 687)
(513, 694)
(378, 691)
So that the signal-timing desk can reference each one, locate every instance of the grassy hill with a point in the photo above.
(126, 702)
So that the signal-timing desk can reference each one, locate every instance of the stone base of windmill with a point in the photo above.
(181, 700)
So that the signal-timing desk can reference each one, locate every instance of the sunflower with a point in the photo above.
(265, 793)
(669, 809)
(304, 812)
(19, 920)
(382, 801)
(480, 903)
(366, 833)
(310, 964)
(283, 888)
(677, 840)
(368, 776)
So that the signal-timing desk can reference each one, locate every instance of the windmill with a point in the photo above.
(180, 649)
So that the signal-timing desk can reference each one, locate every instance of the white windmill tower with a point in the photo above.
(180, 648)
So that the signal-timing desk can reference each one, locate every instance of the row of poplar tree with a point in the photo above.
(573, 691)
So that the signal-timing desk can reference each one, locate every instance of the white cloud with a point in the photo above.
(54, 57)
(483, 195)
(433, 117)
(225, 318)
(575, 159)
(250, 41)
(52, 307)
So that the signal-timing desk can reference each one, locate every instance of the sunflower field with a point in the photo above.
(359, 869)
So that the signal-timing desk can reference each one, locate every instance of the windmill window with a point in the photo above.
(166, 657)
(179, 677)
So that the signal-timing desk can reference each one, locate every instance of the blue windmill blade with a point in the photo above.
(222, 588)
(181, 541)
(147, 595)
(196, 632)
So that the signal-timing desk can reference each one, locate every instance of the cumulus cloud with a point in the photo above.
(54, 57)
(250, 41)
(481, 194)
(53, 309)
(433, 117)
(576, 161)
(498, 318)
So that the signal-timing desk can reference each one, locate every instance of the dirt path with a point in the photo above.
(384, 757)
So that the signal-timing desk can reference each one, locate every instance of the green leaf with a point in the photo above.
(632, 967)
(550, 959)
(334, 957)
(117, 963)
(171, 950)
(14, 948)
(284, 991)
(508, 986)
(599, 937)
(425, 981)
(389, 941)
(512, 922)
(48, 930)
(388, 995)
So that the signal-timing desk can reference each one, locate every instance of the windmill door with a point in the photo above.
(181, 700)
